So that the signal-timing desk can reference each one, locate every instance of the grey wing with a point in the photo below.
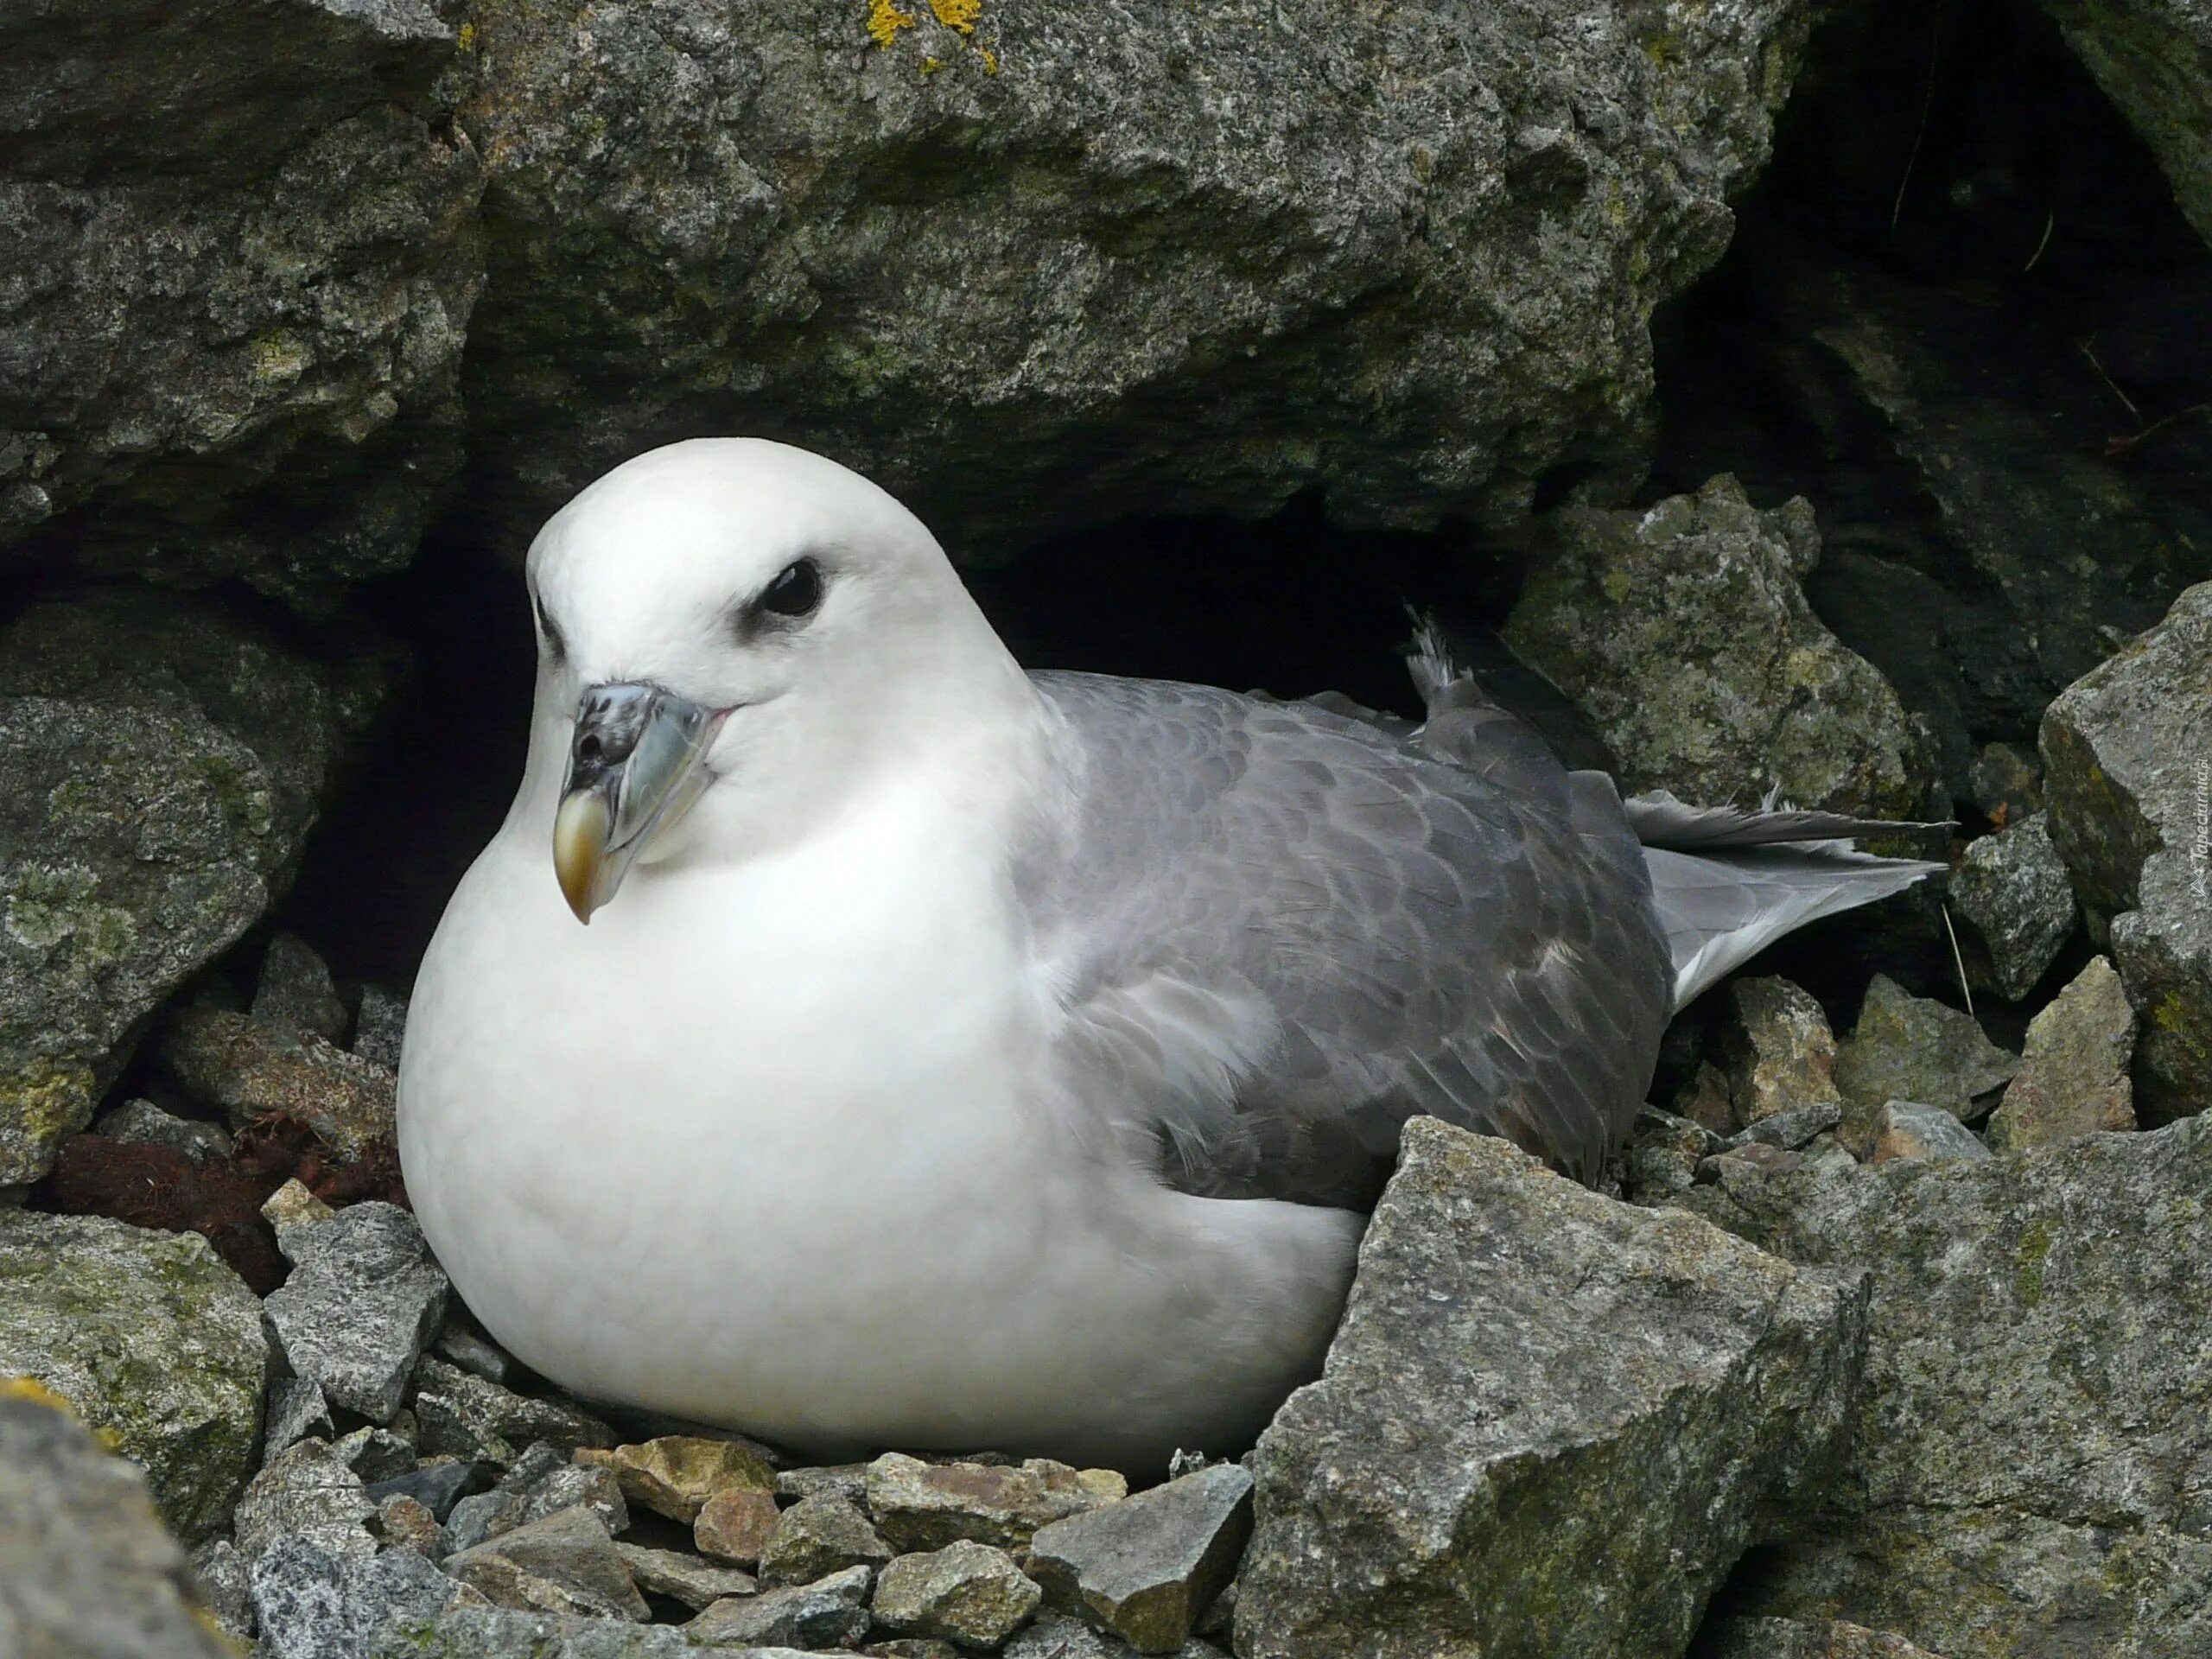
(1280, 931)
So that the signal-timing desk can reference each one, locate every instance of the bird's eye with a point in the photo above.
(795, 592)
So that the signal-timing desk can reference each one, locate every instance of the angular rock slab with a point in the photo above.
(1196, 218)
(149, 1336)
(1146, 1568)
(160, 761)
(2128, 752)
(311, 1604)
(358, 1310)
(2030, 1443)
(965, 1592)
(85, 1567)
(921, 1506)
(1683, 632)
(1550, 1423)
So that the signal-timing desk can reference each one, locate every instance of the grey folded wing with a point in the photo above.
(1279, 931)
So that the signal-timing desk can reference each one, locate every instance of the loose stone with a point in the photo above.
(965, 1592)
(1148, 1568)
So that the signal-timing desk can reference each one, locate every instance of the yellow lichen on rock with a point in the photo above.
(31, 1389)
(885, 20)
(957, 13)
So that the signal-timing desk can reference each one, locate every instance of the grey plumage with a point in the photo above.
(1280, 929)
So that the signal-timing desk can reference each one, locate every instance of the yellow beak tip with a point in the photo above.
(580, 832)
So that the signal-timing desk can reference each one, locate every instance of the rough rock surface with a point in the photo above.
(1904, 1129)
(1148, 1567)
(2073, 1077)
(676, 1474)
(140, 1122)
(1780, 1053)
(2030, 1444)
(1550, 1423)
(1908, 1047)
(160, 762)
(243, 241)
(85, 1569)
(566, 1563)
(1057, 1636)
(1790, 1639)
(965, 1592)
(682, 1576)
(2010, 891)
(466, 1416)
(817, 1536)
(151, 1339)
(296, 991)
(252, 1070)
(359, 1307)
(830, 1612)
(919, 1506)
(312, 1603)
(499, 1633)
(1683, 632)
(306, 1492)
(2126, 749)
(1112, 250)
(2153, 58)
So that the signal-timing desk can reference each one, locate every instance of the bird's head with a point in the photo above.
(730, 632)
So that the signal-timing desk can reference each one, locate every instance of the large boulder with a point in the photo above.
(1549, 1424)
(2127, 751)
(160, 764)
(2037, 1418)
(151, 1340)
(1682, 630)
(86, 1570)
(241, 240)
(1033, 267)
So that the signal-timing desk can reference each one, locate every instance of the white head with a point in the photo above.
(734, 636)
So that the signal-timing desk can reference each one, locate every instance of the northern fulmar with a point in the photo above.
(958, 1056)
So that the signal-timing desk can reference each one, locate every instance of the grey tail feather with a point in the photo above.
(1729, 882)
(1428, 658)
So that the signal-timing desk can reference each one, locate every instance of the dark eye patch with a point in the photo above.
(794, 595)
(557, 646)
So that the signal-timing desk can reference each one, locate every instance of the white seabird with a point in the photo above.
(971, 1058)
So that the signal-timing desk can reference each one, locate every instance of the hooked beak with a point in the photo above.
(635, 764)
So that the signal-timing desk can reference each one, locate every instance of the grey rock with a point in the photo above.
(2073, 1077)
(2124, 748)
(252, 1070)
(565, 1563)
(923, 1506)
(296, 991)
(437, 1485)
(160, 763)
(1779, 1056)
(140, 1122)
(223, 1585)
(246, 244)
(1681, 631)
(1790, 1639)
(2154, 61)
(845, 1480)
(149, 1338)
(541, 1483)
(830, 1612)
(1793, 1130)
(1516, 1346)
(818, 1536)
(965, 1592)
(86, 1570)
(1826, 1152)
(360, 1307)
(408, 1522)
(466, 1416)
(1148, 1568)
(296, 1411)
(499, 1633)
(2010, 891)
(681, 1576)
(379, 1027)
(2029, 1448)
(1662, 1153)
(1904, 1129)
(1908, 1047)
(375, 1454)
(1057, 1636)
(305, 1491)
(475, 1353)
(1196, 218)
(1747, 1162)
(311, 1604)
